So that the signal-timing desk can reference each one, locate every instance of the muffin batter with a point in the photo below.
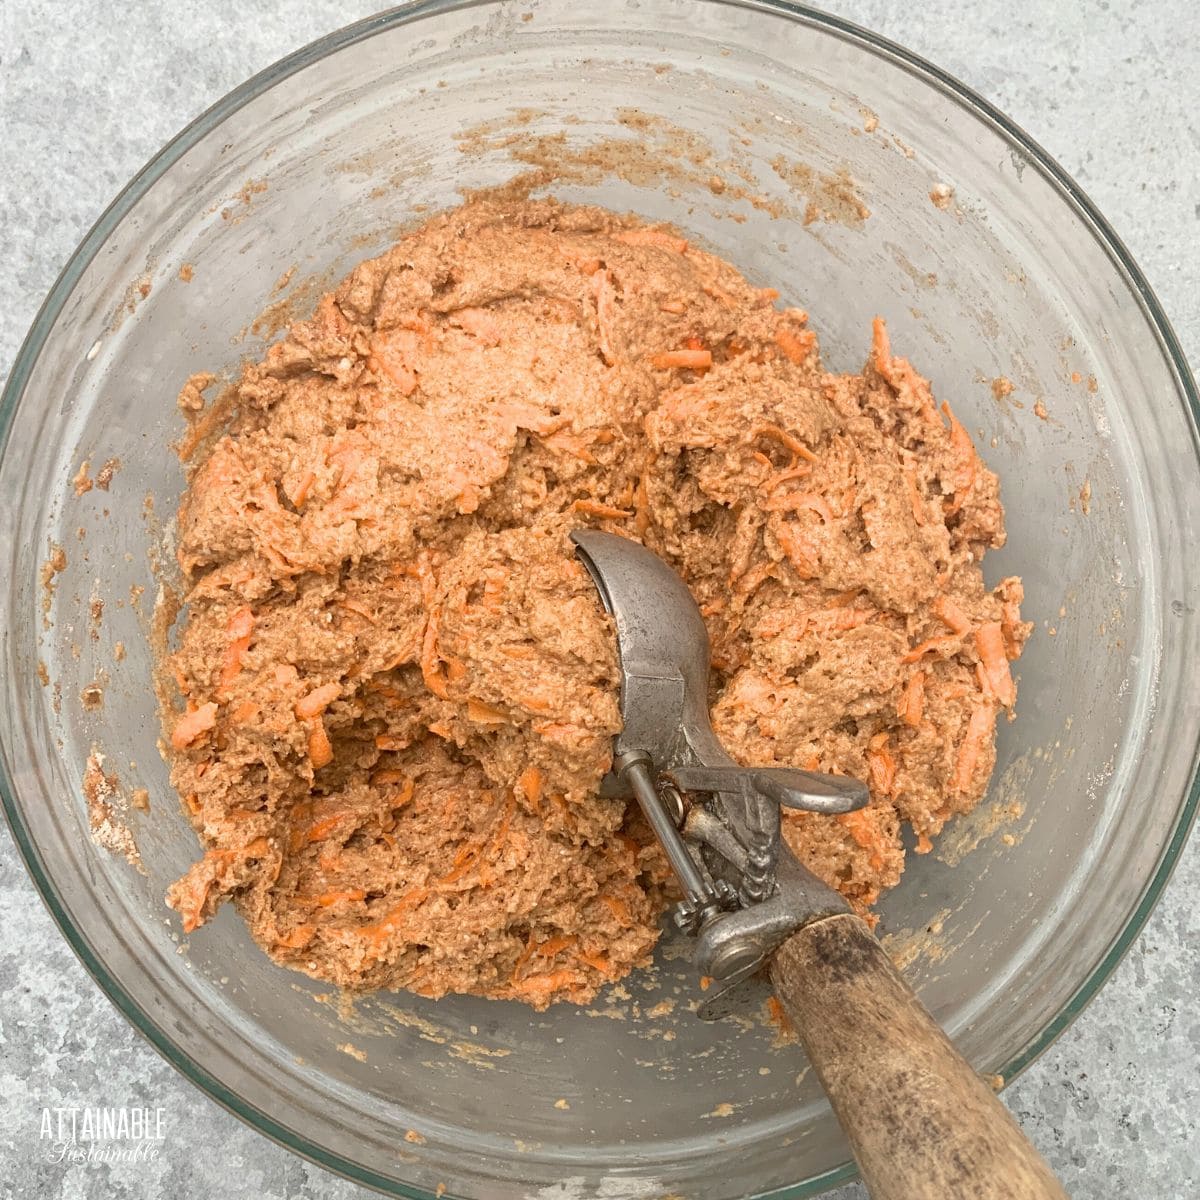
(399, 688)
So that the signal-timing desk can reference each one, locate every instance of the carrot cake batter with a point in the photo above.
(399, 690)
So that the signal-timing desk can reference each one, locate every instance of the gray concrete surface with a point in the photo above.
(89, 89)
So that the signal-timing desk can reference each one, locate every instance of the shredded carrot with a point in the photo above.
(500, 835)
(480, 324)
(799, 470)
(544, 985)
(899, 372)
(939, 645)
(555, 945)
(596, 961)
(861, 828)
(430, 671)
(985, 684)
(953, 616)
(320, 749)
(319, 830)
(593, 508)
(881, 349)
(239, 631)
(802, 500)
(800, 553)
(404, 377)
(530, 782)
(606, 310)
(924, 845)
(389, 776)
(573, 444)
(192, 724)
(1010, 617)
(524, 956)
(299, 494)
(881, 767)
(690, 360)
(787, 440)
(485, 714)
(535, 704)
(244, 712)
(754, 579)
(391, 741)
(865, 833)
(518, 651)
(243, 814)
(297, 939)
(705, 982)
(464, 862)
(359, 609)
(989, 642)
(618, 908)
(192, 899)
(836, 619)
(326, 899)
(382, 929)
(979, 729)
(317, 701)
(392, 354)
(912, 700)
(796, 346)
(967, 466)
(652, 237)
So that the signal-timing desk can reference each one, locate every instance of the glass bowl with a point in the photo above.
(826, 162)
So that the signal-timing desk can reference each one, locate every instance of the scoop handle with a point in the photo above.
(923, 1125)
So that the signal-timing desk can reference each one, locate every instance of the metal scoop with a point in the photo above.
(920, 1121)
(718, 822)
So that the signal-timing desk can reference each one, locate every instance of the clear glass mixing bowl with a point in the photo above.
(1012, 274)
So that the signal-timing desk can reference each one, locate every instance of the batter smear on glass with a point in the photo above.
(398, 688)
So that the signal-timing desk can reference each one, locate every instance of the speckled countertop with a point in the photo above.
(89, 89)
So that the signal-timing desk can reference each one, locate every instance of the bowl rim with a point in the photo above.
(117, 210)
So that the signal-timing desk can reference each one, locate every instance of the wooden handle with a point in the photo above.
(923, 1125)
